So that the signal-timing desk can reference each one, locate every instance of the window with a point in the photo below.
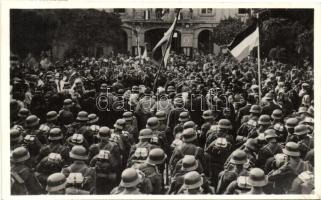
(119, 10)
(206, 10)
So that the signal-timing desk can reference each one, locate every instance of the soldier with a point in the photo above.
(130, 179)
(224, 130)
(278, 125)
(174, 114)
(79, 156)
(69, 106)
(66, 121)
(163, 128)
(16, 139)
(271, 106)
(192, 184)
(23, 180)
(32, 128)
(289, 125)
(138, 157)
(131, 125)
(81, 121)
(145, 141)
(76, 139)
(56, 184)
(90, 134)
(55, 144)
(263, 124)
(208, 117)
(50, 164)
(215, 155)
(159, 138)
(143, 108)
(257, 179)
(303, 183)
(188, 147)
(51, 120)
(301, 137)
(270, 149)
(74, 185)
(183, 117)
(284, 176)
(150, 168)
(22, 116)
(233, 169)
(249, 124)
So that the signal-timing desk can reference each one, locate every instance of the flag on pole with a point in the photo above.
(145, 57)
(164, 45)
(244, 42)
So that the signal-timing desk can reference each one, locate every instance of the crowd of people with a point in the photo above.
(100, 126)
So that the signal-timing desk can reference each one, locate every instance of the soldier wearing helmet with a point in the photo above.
(131, 124)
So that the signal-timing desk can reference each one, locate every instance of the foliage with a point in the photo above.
(226, 30)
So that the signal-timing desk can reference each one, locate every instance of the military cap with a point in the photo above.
(77, 139)
(104, 131)
(264, 120)
(291, 122)
(257, 178)
(67, 103)
(32, 121)
(145, 133)
(92, 118)
(207, 114)
(82, 116)
(130, 178)
(189, 163)
(128, 116)
(183, 117)
(225, 124)
(152, 123)
(239, 157)
(291, 149)
(51, 116)
(156, 156)
(120, 123)
(56, 182)
(23, 113)
(193, 180)
(301, 129)
(78, 152)
(189, 135)
(270, 133)
(20, 154)
(161, 115)
(55, 134)
(15, 135)
(255, 109)
(277, 114)
(189, 124)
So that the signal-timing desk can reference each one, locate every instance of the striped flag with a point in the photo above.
(164, 45)
(244, 42)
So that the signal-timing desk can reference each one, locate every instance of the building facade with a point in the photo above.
(145, 27)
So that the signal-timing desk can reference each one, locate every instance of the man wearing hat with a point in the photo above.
(270, 149)
(143, 108)
(224, 130)
(79, 156)
(284, 176)
(150, 168)
(16, 139)
(233, 169)
(145, 141)
(264, 123)
(159, 138)
(130, 179)
(271, 106)
(193, 182)
(56, 184)
(56, 145)
(248, 125)
(188, 147)
(257, 179)
(290, 124)
(32, 128)
(81, 121)
(22, 115)
(183, 117)
(23, 180)
(163, 127)
(174, 114)
(301, 137)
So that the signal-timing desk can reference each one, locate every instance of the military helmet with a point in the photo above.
(239, 157)
(291, 149)
(130, 178)
(92, 118)
(55, 134)
(257, 177)
(23, 113)
(145, 133)
(183, 116)
(264, 120)
(128, 116)
(189, 135)
(207, 114)
(20, 154)
(78, 152)
(189, 124)
(277, 114)
(255, 109)
(156, 156)
(189, 163)
(56, 182)
(161, 115)
(120, 123)
(51, 116)
(193, 180)
(270, 133)
(82, 116)
(225, 124)
(301, 129)
(104, 131)
(152, 123)
(67, 103)
(32, 121)
(291, 122)
(15, 135)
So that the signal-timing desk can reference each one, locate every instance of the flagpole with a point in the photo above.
(259, 59)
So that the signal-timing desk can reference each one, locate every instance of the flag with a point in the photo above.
(164, 45)
(244, 42)
(145, 54)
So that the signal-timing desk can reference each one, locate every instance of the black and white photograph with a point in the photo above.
(161, 101)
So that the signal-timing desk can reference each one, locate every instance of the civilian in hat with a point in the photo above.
(143, 109)
(23, 179)
(56, 184)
